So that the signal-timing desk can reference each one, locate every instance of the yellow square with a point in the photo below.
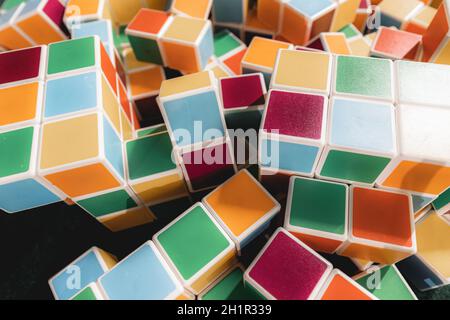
(187, 83)
(345, 14)
(111, 105)
(159, 190)
(184, 29)
(399, 9)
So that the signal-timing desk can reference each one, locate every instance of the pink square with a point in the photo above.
(242, 91)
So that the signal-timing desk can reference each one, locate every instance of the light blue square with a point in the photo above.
(206, 47)
(30, 6)
(229, 11)
(184, 113)
(362, 125)
(310, 7)
(100, 28)
(71, 94)
(141, 276)
(24, 195)
(420, 202)
(86, 269)
(113, 147)
(297, 158)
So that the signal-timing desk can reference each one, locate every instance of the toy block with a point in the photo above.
(122, 12)
(187, 44)
(143, 275)
(293, 132)
(422, 83)
(362, 15)
(359, 47)
(11, 37)
(269, 13)
(89, 293)
(396, 44)
(274, 274)
(243, 99)
(101, 28)
(422, 166)
(253, 27)
(442, 204)
(436, 43)
(421, 21)
(198, 9)
(86, 269)
(386, 283)
(229, 50)
(207, 165)
(339, 286)
(188, 101)
(335, 42)
(317, 213)
(230, 286)
(196, 247)
(361, 141)
(242, 207)
(230, 11)
(381, 226)
(79, 11)
(261, 56)
(302, 21)
(117, 209)
(144, 33)
(291, 69)
(362, 77)
(345, 13)
(397, 13)
(152, 174)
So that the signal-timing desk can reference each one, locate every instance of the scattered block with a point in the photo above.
(90, 293)
(196, 247)
(286, 269)
(335, 42)
(230, 11)
(397, 13)
(361, 141)
(396, 44)
(80, 273)
(381, 227)
(317, 213)
(11, 37)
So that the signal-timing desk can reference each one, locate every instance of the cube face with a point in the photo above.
(234, 11)
(146, 50)
(10, 36)
(392, 286)
(242, 206)
(225, 42)
(345, 14)
(241, 92)
(364, 77)
(317, 208)
(396, 44)
(341, 287)
(91, 265)
(20, 65)
(16, 155)
(190, 253)
(143, 275)
(292, 66)
(442, 203)
(395, 13)
(102, 29)
(274, 273)
(86, 10)
(90, 293)
(436, 34)
(200, 9)
(262, 54)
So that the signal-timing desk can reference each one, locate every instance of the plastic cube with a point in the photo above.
(286, 269)
(230, 11)
(86, 269)
(196, 247)
(361, 141)
(396, 44)
(420, 22)
(79, 11)
(317, 213)
(436, 40)
(89, 293)
(11, 37)
(143, 275)
(341, 287)
(261, 56)
(243, 100)
(364, 78)
(152, 174)
(381, 226)
(386, 283)
(422, 166)
(293, 132)
(345, 13)
(302, 21)
(396, 13)
(303, 71)
(197, 9)
(242, 207)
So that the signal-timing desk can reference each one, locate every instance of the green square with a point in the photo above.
(85, 295)
(120, 37)
(15, 151)
(319, 205)
(231, 287)
(149, 155)
(442, 200)
(149, 131)
(71, 55)
(224, 42)
(366, 77)
(108, 203)
(391, 286)
(192, 242)
(349, 31)
(146, 50)
(353, 167)
(10, 4)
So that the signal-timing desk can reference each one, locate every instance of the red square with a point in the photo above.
(243, 91)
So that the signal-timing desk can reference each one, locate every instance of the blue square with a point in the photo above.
(310, 7)
(100, 28)
(201, 110)
(206, 47)
(113, 148)
(229, 11)
(292, 157)
(140, 276)
(24, 195)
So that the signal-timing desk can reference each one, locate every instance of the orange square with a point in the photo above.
(146, 82)
(295, 27)
(197, 9)
(181, 56)
(82, 7)
(40, 31)
(342, 288)
(20, 103)
(263, 52)
(12, 39)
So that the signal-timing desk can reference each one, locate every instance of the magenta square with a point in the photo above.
(287, 270)
(55, 11)
(295, 114)
(242, 91)
(209, 167)
(20, 65)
